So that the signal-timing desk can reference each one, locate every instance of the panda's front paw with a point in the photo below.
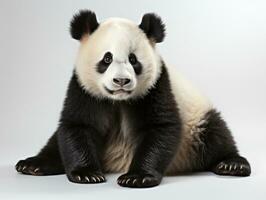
(84, 175)
(30, 166)
(138, 180)
(39, 166)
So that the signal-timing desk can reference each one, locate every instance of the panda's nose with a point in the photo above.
(121, 81)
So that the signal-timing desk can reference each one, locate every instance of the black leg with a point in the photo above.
(151, 158)
(47, 162)
(220, 154)
(79, 147)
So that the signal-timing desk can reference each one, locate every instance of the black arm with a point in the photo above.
(161, 130)
(79, 136)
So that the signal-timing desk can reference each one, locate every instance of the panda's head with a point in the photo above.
(117, 58)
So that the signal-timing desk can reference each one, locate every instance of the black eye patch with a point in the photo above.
(105, 62)
(137, 66)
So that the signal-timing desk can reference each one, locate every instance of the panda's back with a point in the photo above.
(192, 104)
(193, 108)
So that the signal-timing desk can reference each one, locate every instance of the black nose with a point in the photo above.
(121, 81)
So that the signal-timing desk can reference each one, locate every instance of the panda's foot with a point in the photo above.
(237, 166)
(138, 180)
(84, 175)
(39, 167)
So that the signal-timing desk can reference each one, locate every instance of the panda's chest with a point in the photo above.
(121, 143)
(131, 121)
(117, 122)
(126, 128)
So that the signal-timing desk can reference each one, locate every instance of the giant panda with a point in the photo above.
(127, 111)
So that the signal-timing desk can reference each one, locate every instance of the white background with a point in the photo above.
(219, 45)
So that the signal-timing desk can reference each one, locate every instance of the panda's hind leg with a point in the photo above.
(47, 162)
(220, 154)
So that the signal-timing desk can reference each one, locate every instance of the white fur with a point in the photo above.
(192, 104)
(120, 37)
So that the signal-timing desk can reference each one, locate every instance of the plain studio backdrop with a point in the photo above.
(218, 45)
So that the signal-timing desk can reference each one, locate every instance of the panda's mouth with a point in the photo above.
(119, 91)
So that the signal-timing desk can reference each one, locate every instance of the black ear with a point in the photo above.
(84, 22)
(153, 27)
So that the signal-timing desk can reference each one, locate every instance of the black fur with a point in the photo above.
(86, 124)
(83, 23)
(153, 27)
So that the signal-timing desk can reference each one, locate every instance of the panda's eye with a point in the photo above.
(108, 58)
(132, 59)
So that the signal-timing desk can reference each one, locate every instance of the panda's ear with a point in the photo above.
(153, 27)
(84, 22)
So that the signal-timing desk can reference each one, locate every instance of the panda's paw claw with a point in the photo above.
(28, 167)
(138, 181)
(83, 175)
(233, 167)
